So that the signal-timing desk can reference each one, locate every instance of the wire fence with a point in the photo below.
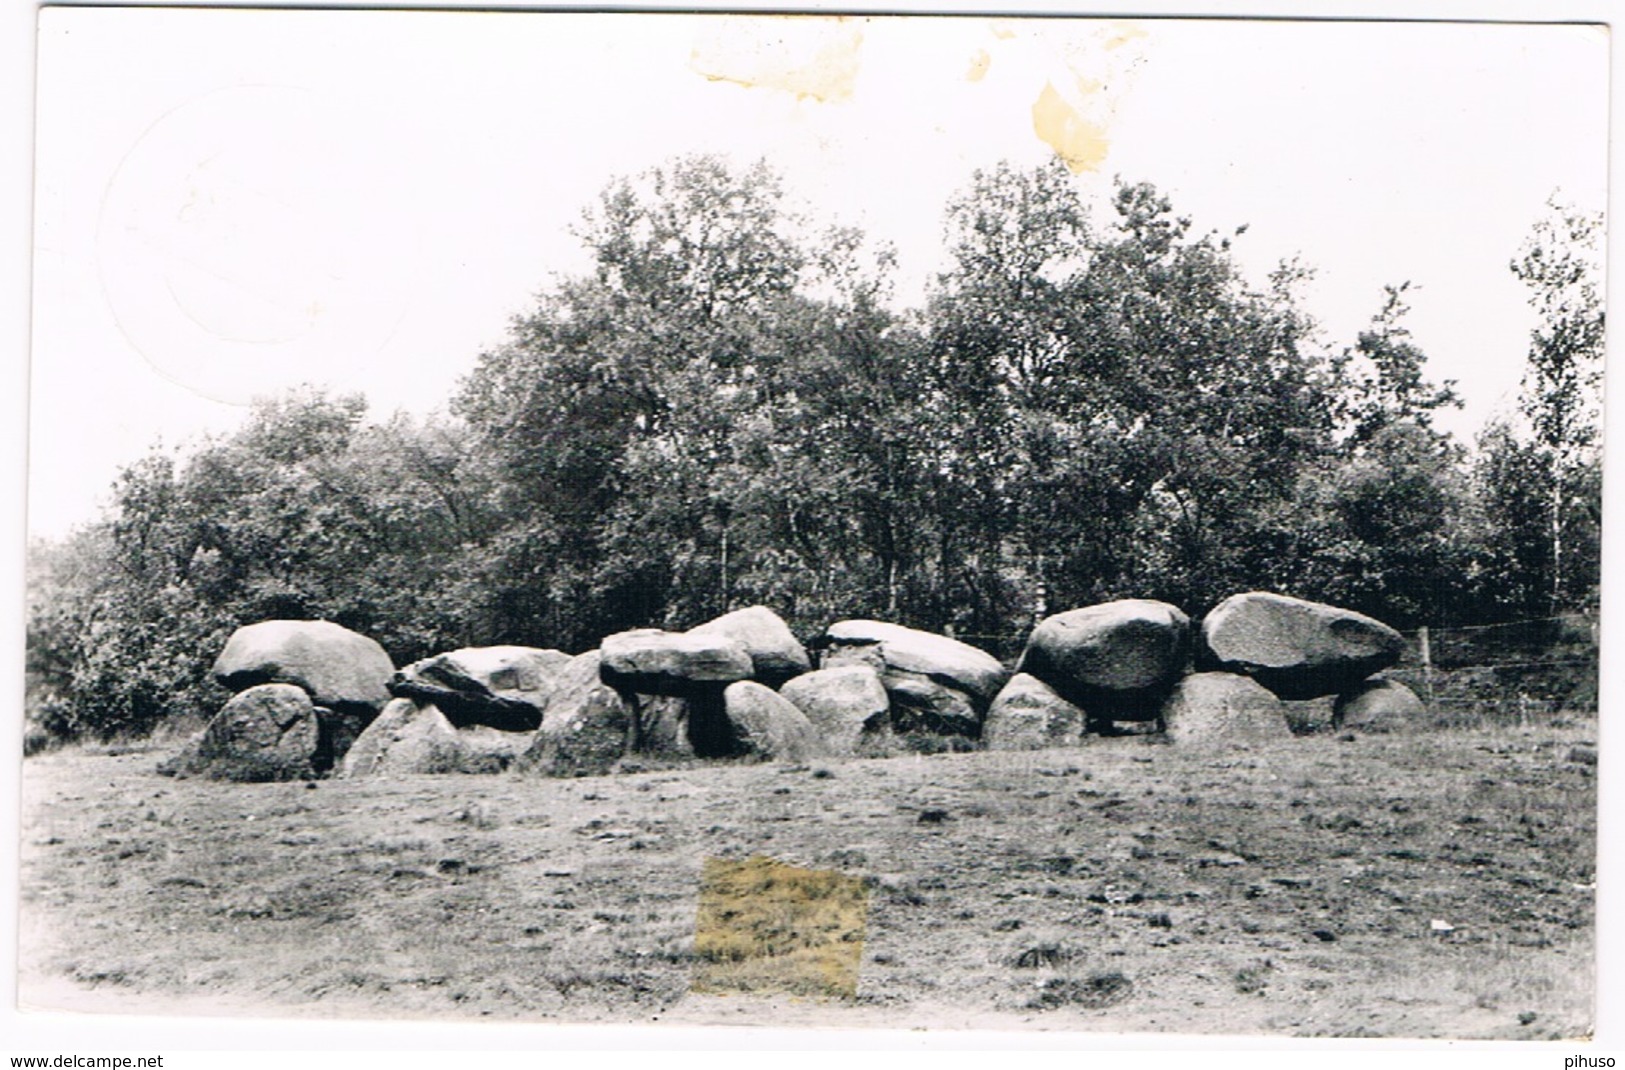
(1517, 672)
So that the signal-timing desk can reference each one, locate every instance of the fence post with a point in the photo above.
(1427, 663)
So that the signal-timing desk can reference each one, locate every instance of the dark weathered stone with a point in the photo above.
(583, 735)
(1117, 659)
(663, 723)
(1378, 706)
(843, 704)
(1223, 707)
(1028, 714)
(765, 724)
(652, 662)
(1297, 649)
(336, 667)
(775, 654)
(920, 704)
(336, 731)
(267, 732)
(504, 687)
(587, 726)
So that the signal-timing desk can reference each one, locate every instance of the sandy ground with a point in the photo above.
(1436, 885)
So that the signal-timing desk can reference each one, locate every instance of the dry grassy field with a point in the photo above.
(1411, 885)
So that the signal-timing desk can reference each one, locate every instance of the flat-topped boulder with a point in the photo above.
(1296, 648)
(266, 732)
(336, 667)
(1028, 714)
(908, 652)
(409, 737)
(1109, 654)
(775, 653)
(493, 670)
(1223, 707)
(651, 661)
(502, 687)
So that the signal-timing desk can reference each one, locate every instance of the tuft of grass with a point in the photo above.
(1253, 979)
(1094, 991)
(765, 926)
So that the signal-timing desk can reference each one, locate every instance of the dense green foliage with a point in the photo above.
(730, 409)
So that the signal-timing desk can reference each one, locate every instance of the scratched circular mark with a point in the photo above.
(245, 245)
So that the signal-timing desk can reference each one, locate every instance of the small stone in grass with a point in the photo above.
(1325, 936)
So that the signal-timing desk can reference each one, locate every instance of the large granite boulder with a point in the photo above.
(1117, 659)
(267, 732)
(1378, 706)
(845, 704)
(654, 662)
(775, 653)
(585, 736)
(503, 687)
(765, 724)
(337, 668)
(412, 737)
(1223, 707)
(936, 684)
(1028, 714)
(1297, 649)
(587, 727)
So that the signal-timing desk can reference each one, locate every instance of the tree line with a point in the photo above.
(729, 408)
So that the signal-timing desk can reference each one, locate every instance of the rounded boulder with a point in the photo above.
(844, 704)
(410, 737)
(266, 732)
(775, 653)
(1379, 706)
(587, 727)
(1223, 707)
(336, 667)
(765, 724)
(1130, 647)
(1029, 715)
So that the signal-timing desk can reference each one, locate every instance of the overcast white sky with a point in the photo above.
(230, 202)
